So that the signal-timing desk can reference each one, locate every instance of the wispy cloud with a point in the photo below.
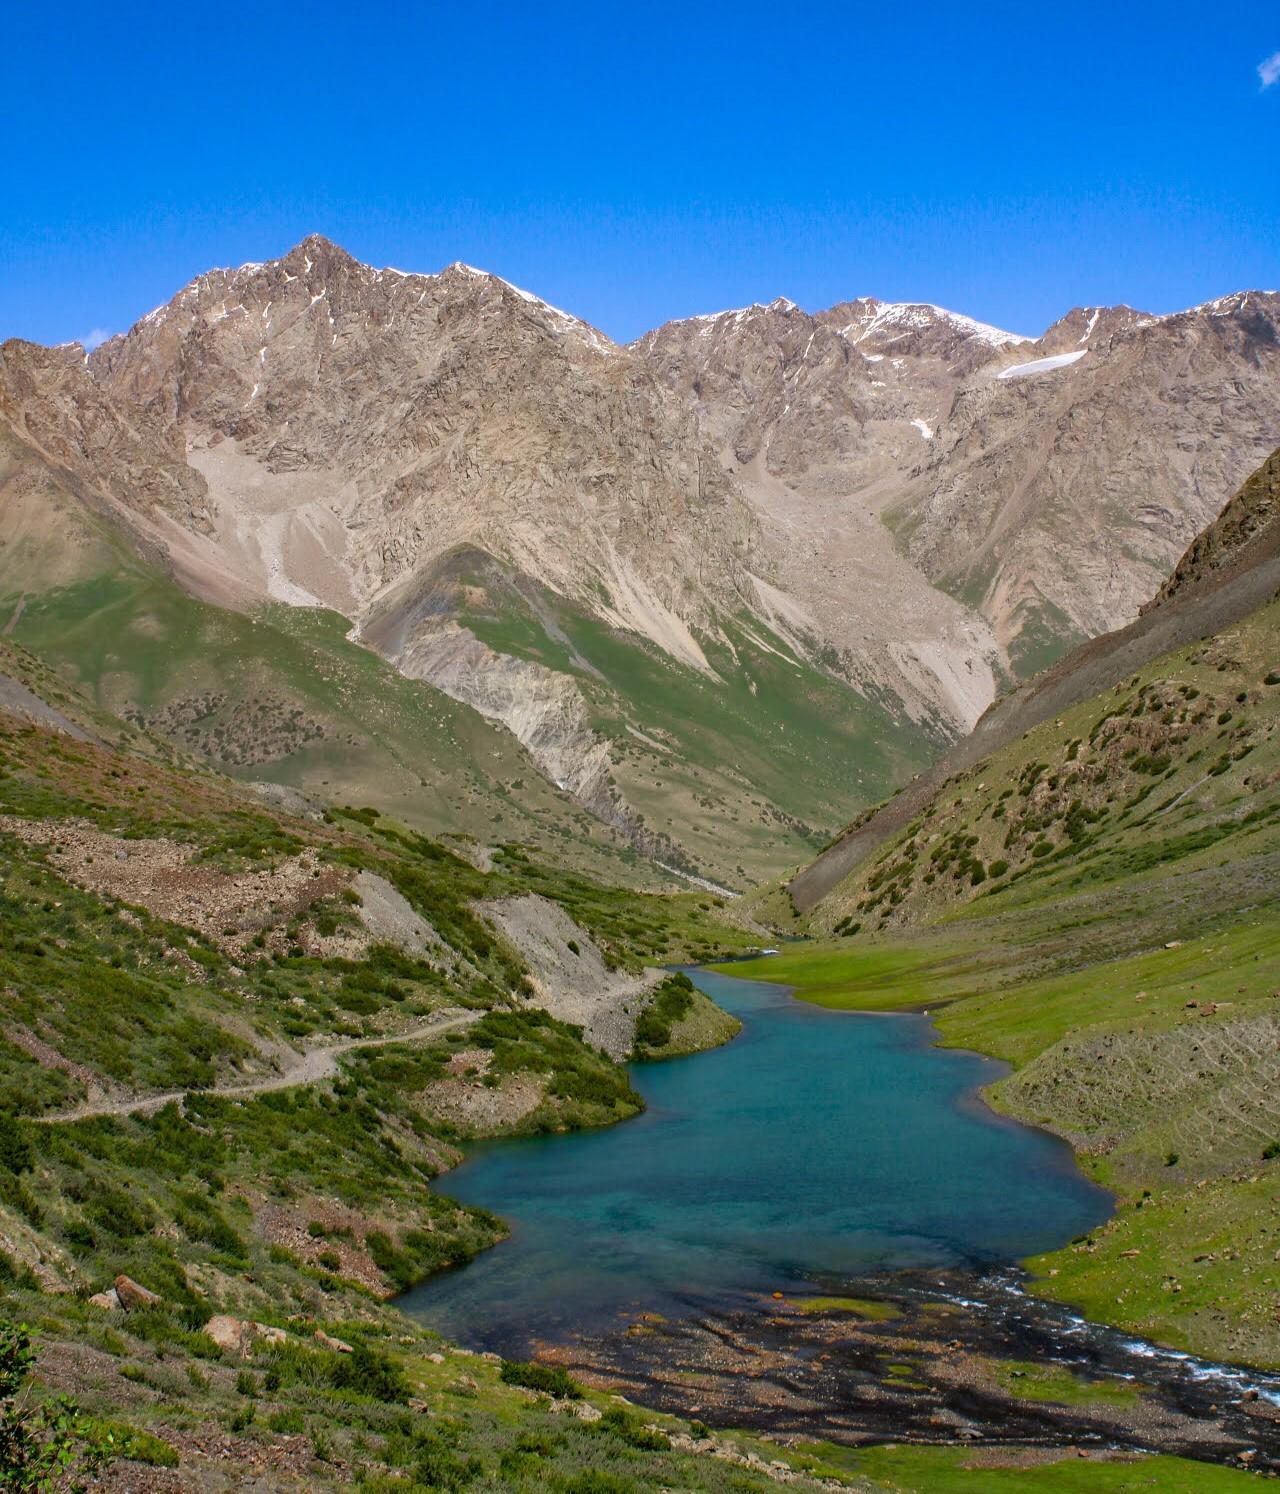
(98, 336)
(1269, 71)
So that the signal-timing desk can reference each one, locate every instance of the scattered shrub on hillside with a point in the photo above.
(15, 1147)
(671, 1002)
(550, 1380)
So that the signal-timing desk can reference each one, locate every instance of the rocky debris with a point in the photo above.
(229, 908)
(17, 700)
(327, 1341)
(389, 918)
(479, 1109)
(311, 1228)
(48, 1057)
(238, 1335)
(574, 986)
(133, 1296)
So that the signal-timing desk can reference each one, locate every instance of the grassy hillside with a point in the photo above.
(1097, 904)
(170, 952)
(283, 697)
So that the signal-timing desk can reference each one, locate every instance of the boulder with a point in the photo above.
(338, 1344)
(230, 1334)
(110, 1300)
(268, 1334)
(132, 1296)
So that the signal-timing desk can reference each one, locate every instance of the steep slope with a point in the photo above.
(1059, 491)
(76, 467)
(358, 429)
(999, 463)
(366, 420)
(1227, 575)
(819, 418)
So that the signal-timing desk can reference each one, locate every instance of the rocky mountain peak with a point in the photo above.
(1085, 326)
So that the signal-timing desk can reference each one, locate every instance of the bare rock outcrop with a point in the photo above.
(570, 977)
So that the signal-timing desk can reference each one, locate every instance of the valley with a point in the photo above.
(404, 688)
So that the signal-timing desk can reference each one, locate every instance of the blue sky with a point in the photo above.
(638, 162)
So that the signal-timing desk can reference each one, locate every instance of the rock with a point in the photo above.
(269, 1334)
(230, 1334)
(436, 1358)
(492, 1358)
(110, 1300)
(132, 1296)
(339, 1345)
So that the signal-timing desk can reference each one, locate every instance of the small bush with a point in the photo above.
(550, 1380)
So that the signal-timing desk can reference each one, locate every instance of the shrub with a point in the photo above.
(118, 1439)
(550, 1380)
(671, 1001)
(369, 1373)
(631, 1429)
(15, 1148)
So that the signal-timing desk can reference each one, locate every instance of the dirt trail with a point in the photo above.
(302, 1068)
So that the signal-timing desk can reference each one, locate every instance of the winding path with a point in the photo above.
(309, 1067)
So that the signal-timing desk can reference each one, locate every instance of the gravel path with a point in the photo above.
(302, 1068)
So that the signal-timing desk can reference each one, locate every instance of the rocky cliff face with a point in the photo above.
(1062, 488)
(354, 424)
(1045, 485)
(883, 507)
(70, 453)
(1231, 573)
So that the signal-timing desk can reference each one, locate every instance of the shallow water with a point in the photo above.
(817, 1145)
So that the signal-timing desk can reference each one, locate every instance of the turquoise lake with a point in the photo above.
(816, 1147)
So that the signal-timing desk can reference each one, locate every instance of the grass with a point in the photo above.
(746, 767)
(735, 773)
(862, 1307)
(231, 690)
(1031, 1381)
(948, 1470)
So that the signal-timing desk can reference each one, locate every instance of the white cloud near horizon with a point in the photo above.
(98, 336)
(1269, 71)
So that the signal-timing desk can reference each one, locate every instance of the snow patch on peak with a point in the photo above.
(914, 316)
(1219, 306)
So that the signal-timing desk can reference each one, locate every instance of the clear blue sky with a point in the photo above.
(638, 162)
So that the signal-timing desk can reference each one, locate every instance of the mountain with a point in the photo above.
(1062, 488)
(1228, 573)
(998, 462)
(511, 510)
(706, 595)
